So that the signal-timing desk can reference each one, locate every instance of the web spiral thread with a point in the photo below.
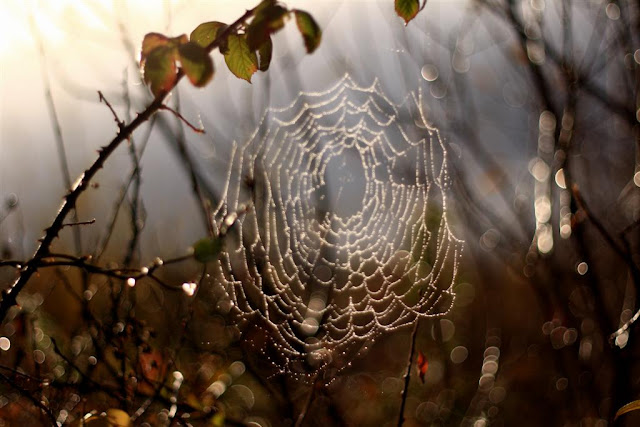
(346, 234)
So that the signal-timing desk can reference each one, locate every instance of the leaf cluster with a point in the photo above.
(246, 49)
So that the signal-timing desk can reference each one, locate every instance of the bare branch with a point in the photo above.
(407, 374)
(34, 400)
(73, 224)
(119, 122)
(184, 120)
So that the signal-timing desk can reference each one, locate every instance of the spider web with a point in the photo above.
(345, 235)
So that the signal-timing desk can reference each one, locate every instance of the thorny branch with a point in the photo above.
(82, 183)
(57, 129)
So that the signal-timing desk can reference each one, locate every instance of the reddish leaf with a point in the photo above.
(160, 69)
(153, 366)
(423, 365)
(150, 42)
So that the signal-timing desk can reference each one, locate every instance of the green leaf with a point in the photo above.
(407, 9)
(264, 55)
(196, 63)
(207, 249)
(160, 69)
(269, 19)
(154, 40)
(241, 60)
(309, 29)
(206, 33)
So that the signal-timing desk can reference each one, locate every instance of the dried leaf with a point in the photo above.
(153, 366)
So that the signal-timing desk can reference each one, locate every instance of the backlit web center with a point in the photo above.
(346, 237)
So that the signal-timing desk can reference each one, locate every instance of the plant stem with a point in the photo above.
(407, 374)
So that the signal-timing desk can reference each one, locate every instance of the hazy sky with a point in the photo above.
(84, 52)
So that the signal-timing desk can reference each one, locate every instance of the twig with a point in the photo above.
(119, 122)
(205, 205)
(135, 203)
(620, 251)
(407, 374)
(10, 207)
(11, 263)
(585, 82)
(33, 400)
(73, 224)
(65, 260)
(23, 375)
(181, 117)
(98, 386)
(624, 328)
(123, 194)
(67, 285)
